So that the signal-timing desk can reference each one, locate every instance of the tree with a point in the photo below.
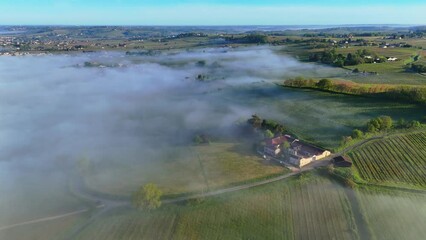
(325, 83)
(268, 134)
(380, 124)
(386, 122)
(255, 121)
(147, 197)
(286, 145)
(371, 128)
(356, 133)
(414, 124)
(402, 123)
(346, 140)
(198, 139)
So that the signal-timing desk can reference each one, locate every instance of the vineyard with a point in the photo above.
(394, 215)
(396, 159)
(310, 209)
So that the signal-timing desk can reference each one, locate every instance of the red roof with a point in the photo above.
(276, 141)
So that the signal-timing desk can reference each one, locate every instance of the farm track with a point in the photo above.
(39, 220)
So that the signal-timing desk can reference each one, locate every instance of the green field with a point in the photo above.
(400, 158)
(186, 169)
(314, 208)
(325, 117)
(393, 215)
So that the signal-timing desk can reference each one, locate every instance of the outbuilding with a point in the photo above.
(341, 161)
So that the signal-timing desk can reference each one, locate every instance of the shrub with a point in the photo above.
(357, 133)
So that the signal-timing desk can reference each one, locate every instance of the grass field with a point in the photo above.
(396, 159)
(324, 117)
(186, 169)
(313, 208)
(393, 215)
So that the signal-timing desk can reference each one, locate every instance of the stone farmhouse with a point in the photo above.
(298, 153)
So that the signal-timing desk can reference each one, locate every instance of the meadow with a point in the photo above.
(393, 160)
(186, 169)
(308, 207)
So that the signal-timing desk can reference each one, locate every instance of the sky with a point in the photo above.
(211, 12)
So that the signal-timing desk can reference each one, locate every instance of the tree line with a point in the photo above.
(331, 57)
(270, 128)
(381, 124)
(405, 93)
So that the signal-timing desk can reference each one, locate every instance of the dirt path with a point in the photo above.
(45, 219)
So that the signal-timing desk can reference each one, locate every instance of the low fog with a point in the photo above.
(56, 109)
(51, 108)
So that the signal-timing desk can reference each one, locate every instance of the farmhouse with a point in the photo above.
(341, 161)
(303, 153)
(298, 153)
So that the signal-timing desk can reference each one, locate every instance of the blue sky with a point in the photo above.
(212, 12)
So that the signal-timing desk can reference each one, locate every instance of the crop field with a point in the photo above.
(313, 208)
(399, 158)
(186, 169)
(393, 214)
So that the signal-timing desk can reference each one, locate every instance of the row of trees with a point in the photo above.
(250, 38)
(382, 123)
(410, 94)
(331, 57)
(378, 124)
(270, 128)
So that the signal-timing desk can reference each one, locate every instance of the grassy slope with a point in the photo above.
(311, 209)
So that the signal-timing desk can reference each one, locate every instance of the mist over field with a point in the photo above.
(133, 116)
(113, 107)
(52, 110)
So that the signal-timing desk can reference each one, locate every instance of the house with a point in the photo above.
(392, 59)
(301, 154)
(341, 161)
(298, 152)
(273, 145)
